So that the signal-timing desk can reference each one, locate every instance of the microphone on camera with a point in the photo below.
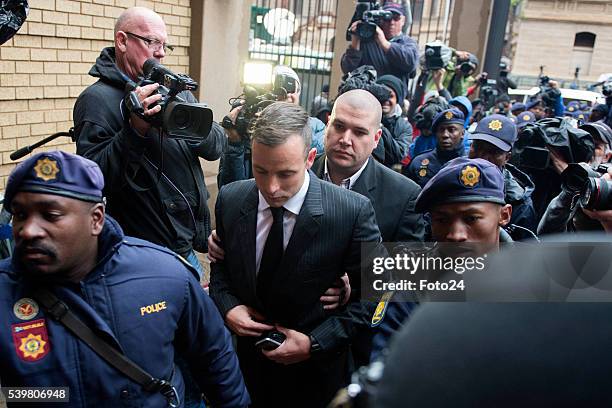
(153, 69)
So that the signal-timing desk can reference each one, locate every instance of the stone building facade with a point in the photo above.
(562, 35)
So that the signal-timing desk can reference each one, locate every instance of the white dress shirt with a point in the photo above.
(348, 182)
(264, 219)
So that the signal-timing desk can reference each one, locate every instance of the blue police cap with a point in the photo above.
(525, 118)
(517, 106)
(452, 115)
(463, 180)
(573, 106)
(498, 130)
(57, 173)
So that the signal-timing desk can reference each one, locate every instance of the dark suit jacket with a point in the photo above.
(393, 197)
(325, 243)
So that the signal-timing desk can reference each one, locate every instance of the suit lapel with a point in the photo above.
(367, 180)
(247, 226)
(306, 227)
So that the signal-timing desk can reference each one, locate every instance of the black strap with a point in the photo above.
(60, 312)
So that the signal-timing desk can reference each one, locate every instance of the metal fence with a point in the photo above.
(300, 34)
(297, 33)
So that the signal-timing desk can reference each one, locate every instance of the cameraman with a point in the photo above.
(548, 103)
(235, 161)
(503, 81)
(562, 209)
(457, 78)
(391, 51)
(155, 185)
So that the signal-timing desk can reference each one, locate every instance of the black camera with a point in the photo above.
(179, 119)
(437, 55)
(606, 89)
(594, 192)
(488, 91)
(530, 150)
(369, 13)
(466, 67)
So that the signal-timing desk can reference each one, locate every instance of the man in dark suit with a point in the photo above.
(352, 133)
(289, 236)
(350, 137)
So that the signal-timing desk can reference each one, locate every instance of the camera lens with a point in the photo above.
(181, 118)
(598, 194)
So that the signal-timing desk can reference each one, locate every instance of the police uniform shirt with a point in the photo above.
(264, 219)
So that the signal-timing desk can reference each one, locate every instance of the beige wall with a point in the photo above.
(546, 37)
(470, 24)
(44, 67)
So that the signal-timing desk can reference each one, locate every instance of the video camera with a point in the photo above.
(593, 192)
(437, 55)
(179, 119)
(254, 99)
(548, 94)
(488, 90)
(530, 150)
(369, 13)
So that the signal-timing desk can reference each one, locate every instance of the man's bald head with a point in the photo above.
(140, 34)
(363, 101)
(352, 133)
(136, 17)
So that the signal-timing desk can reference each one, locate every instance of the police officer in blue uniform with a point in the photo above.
(493, 140)
(449, 131)
(467, 205)
(139, 298)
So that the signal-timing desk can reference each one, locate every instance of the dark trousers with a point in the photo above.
(312, 383)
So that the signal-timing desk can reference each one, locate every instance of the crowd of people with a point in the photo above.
(105, 293)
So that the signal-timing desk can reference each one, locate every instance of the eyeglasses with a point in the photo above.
(153, 44)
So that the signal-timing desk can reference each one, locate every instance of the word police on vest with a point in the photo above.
(154, 308)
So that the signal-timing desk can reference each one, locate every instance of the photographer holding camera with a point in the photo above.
(155, 185)
(235, 161)
(576, 207)
(456, 79)
(389, 51)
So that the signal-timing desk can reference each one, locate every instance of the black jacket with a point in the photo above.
(169, 208)
(392, 196)
(518, 188)
(326, 242)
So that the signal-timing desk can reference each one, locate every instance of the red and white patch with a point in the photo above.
(31, 340)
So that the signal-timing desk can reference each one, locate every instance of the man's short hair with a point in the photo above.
(279, 121)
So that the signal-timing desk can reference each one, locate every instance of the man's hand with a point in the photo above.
(556, 160)
(245, 321)
(232, 134)
(215, 250)
(603, 216)
(462, 55)
(553, 84)
(141, 126)
(437, 76)
(295, 348)
(381, 40)
(293, 98)
(355, 39)
(338, 295)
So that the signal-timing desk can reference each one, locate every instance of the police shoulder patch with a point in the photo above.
(31, 340)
